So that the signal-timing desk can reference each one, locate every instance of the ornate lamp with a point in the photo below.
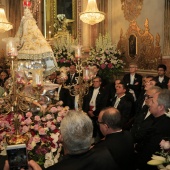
(4, 24)
(92, 15)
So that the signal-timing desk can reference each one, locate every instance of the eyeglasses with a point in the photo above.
(99, 122)
(148, 97)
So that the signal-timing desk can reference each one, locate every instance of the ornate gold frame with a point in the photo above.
(50, 15)
(148, 53)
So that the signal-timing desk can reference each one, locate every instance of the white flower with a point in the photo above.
(48, 155)
(48, 163)
(55, 136)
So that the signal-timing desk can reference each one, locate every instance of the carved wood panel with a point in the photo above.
(148, 52)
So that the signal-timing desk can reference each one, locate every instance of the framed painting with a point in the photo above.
(132, 46)
(54, 7)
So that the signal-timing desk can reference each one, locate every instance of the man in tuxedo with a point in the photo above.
(94, 101)
(162, 79)
(155, 131)
(140, 102)
(144, 116)
(133, 80)
(62, 93)
(123, 102)
(119, 142)
(72, 76)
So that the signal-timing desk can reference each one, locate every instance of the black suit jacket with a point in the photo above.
(155, 131)
(93, 159)
(125, 107)
(164, 83)
(135, 88)
(121, 147)
(64, 96)
(101, 101)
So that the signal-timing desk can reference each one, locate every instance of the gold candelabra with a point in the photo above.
(81, 88)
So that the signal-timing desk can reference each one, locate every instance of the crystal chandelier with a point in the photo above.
(92, 15)
(4, 24)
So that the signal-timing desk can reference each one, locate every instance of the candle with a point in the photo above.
(49, 34)
(78, 52)
(37, 77)
(86, 74)
(11, 47)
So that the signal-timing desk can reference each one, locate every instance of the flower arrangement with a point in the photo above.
(106, 57)
(162, 159)
(63, 50)
(42, 129)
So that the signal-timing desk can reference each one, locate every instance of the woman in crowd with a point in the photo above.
(3, 77)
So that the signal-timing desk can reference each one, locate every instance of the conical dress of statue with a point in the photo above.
(33, 46)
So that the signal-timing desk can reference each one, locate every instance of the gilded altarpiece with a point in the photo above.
(138, 45)
(145, 51)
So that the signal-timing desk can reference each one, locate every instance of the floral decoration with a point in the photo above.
(43, 145)
(106, 57)
(64, 51)
(162, 158)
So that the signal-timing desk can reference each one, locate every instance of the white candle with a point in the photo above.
(78, 52)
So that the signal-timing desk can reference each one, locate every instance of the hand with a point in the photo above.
(136, 83)
(32, 166)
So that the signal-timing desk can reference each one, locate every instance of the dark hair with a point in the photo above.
(124, 85)
(97, 77)
(162, 66)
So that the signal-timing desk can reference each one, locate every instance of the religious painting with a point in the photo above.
(132, 46)
(56, 7)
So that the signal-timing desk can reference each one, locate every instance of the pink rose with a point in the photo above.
(36, 127)
(28, 114)
(53, 110)
(110, 65)
(165, 144)
(52, 127)
(28, 121)
(43, 119)
(37, 118)
(48, 117)
(48, 124)
(42, 131)
(36, 139)
(25, 129)
(103, 66)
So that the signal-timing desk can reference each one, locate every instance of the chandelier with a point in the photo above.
(92, 15)
(4, 24)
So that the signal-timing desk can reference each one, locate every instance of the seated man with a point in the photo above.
(119, 142)
(123, 101)
(76, 133)
(144, 117)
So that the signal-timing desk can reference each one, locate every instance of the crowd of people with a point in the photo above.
(122, 124)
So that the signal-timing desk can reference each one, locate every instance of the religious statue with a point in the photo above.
(33, 47)
(61, 23)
